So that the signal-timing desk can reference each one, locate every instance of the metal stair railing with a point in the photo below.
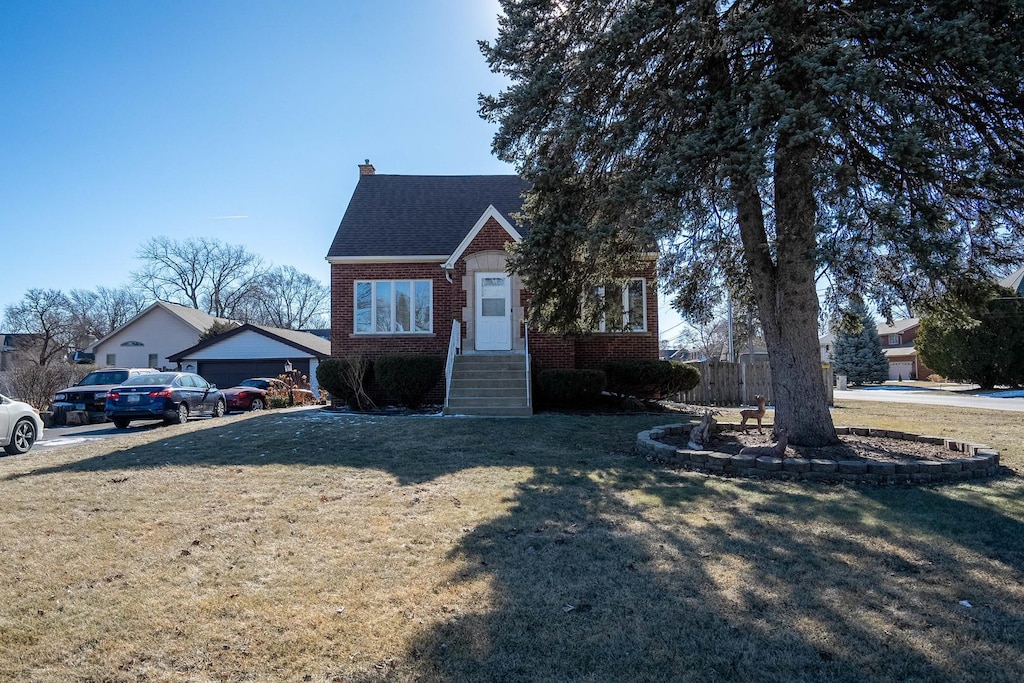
(454, 347)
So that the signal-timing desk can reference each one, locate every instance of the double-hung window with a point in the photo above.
(393, 306)
(625, 306)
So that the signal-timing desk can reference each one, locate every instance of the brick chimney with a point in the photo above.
(367, 168)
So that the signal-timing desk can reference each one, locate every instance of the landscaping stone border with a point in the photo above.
(978, 461)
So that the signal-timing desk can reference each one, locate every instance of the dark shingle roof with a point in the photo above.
(399, 215)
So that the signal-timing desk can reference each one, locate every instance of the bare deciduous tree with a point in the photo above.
(36, 384)
(292, 300)
(45, 313)
(101, 311)
(201, 272)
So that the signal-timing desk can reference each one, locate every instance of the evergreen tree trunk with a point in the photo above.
(786, 296)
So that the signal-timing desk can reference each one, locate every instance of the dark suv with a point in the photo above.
(91, 393)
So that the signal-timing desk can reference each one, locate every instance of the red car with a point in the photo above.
(252, 394)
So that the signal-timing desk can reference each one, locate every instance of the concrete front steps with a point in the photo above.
(489, 385)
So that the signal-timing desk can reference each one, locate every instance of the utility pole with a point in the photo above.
(732, 355)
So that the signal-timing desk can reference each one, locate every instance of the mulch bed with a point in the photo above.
(852, 447)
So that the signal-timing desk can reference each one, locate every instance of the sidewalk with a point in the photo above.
(996, 400)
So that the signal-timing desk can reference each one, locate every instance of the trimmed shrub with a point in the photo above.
(346, 379)
(278, 402)
(409, 378)
(568, 388)
(648, 379)
(328, 376)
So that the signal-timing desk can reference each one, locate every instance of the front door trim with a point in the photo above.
(493, 313)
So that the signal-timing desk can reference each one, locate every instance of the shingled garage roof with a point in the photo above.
(400, 215)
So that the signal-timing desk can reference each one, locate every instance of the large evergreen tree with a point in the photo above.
(763, 144)
(983, 344)
(857, 350)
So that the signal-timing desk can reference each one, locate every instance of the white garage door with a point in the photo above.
(900, 369)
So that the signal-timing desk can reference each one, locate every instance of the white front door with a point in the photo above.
(493, 312)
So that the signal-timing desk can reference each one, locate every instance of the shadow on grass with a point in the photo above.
(413, 449)
(736, 581)
(609, 568)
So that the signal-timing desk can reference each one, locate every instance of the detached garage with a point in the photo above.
(254, 351)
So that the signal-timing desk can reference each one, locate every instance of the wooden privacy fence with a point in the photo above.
(736, 384)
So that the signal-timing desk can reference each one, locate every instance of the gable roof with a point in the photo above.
(1014, 281)
(409, 216)
(193, 317)
(201, 320)
(303, 341)
(883, 329)
(898, 326)
(490, 213)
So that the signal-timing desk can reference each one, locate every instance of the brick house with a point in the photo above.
(418, 265)
(898, 346)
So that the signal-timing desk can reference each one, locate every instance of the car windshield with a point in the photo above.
(104, 377)
(258, 383)
(155, 379)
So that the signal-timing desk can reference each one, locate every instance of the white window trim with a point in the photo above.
(602, 327)
(373, 307)
(894, 340)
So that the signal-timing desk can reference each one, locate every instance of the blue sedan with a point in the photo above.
(169, 396)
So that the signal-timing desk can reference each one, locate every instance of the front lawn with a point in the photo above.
(309, 546)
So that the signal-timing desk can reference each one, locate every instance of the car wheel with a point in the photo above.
(182, 413)
(121, 422)
(219, 410)
(23, 437)
(257, 404)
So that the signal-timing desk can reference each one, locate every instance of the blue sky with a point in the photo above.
(241, 121)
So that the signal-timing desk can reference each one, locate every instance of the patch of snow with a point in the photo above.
(1011, 393)
(66, 441)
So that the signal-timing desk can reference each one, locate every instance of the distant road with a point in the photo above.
(931, 397)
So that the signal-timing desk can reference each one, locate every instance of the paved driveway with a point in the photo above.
(66, 436)
(54, 437)
(933, 397)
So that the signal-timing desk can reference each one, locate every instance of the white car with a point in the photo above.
(20, 426)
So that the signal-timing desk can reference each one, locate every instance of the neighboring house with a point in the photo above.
(254, 351)
(758, 356)
(898, 339)
(676, 354)
(418, 257)
(14, 347)
(323, 333)
(150, 337)
(1014, 281)
(898, 346)
(825, 343)
(681, 355)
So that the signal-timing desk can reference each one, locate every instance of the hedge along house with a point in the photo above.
(418, 266)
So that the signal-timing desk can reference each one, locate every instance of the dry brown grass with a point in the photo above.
(286, 546)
